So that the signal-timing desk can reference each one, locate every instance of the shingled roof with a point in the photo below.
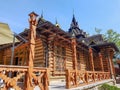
(95, 39)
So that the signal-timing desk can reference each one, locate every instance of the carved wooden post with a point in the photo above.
(101, 62)
(74, 53)
(67, 78)
(33, 23)
(91, 58)
(32, 37)
(110, 56)
(46, 82)
(74, 57)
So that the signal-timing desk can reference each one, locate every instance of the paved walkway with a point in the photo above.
(57, 85)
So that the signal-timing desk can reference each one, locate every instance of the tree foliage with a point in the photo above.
(111, 36)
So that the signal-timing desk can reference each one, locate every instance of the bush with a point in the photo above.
(108, 87)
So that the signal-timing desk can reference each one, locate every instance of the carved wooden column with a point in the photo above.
(110, 57)
(32, 37)
(74, 53)
(51, 58)
(50, 54)
(91, 58)
(101, 62)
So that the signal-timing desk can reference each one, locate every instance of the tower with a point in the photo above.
(74, 28)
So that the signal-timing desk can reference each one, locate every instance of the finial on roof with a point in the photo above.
(74, 20)
(41, 14)
(33, 13)
(56, 24)
(33, 18)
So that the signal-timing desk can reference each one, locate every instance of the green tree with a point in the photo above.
(111, 36)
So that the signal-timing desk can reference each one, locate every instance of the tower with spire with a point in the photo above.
(74, 29)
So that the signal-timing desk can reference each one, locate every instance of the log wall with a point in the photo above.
(69, 63)
(1, 57)
(105, 60)
(6, 56)
(82, 60)
(39, 60)
(96, 60)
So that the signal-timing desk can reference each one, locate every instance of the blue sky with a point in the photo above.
(102, 14)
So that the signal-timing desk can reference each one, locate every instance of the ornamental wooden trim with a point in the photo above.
(75, 78)
(39, 77)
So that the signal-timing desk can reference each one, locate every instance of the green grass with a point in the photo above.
(108, 87)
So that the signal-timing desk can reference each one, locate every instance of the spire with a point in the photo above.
(56, 24)
(74, 20)
(41, 14)
(74, 23)
(74, 28)
(41, 19)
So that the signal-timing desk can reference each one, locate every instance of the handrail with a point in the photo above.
(39, 77)
(75, 78)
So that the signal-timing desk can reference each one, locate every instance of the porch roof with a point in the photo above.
(106, 44)
(6, 35)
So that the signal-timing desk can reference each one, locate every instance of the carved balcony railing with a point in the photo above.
(75, 78)
(15, 77)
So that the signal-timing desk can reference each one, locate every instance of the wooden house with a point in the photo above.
(61, 50)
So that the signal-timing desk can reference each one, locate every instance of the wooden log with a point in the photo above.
(39, 48)
(39, 61)
(39, 58)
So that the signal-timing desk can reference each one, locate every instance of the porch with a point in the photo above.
(16, 77)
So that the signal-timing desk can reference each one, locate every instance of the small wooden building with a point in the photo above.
(61, 50)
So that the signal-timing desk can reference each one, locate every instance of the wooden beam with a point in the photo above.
(91, 58)
(32, 36)
(73, 41)
(101, 62)
(110, 58)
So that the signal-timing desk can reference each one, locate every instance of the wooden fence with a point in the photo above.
(75, 78)
(16, 77)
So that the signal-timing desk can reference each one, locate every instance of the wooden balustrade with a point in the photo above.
(75, 78)
(15, 77)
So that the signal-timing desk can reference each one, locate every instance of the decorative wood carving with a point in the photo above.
(91, 58)
(84, 77)
(73, 42)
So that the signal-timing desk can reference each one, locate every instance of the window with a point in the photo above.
(60, 54)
